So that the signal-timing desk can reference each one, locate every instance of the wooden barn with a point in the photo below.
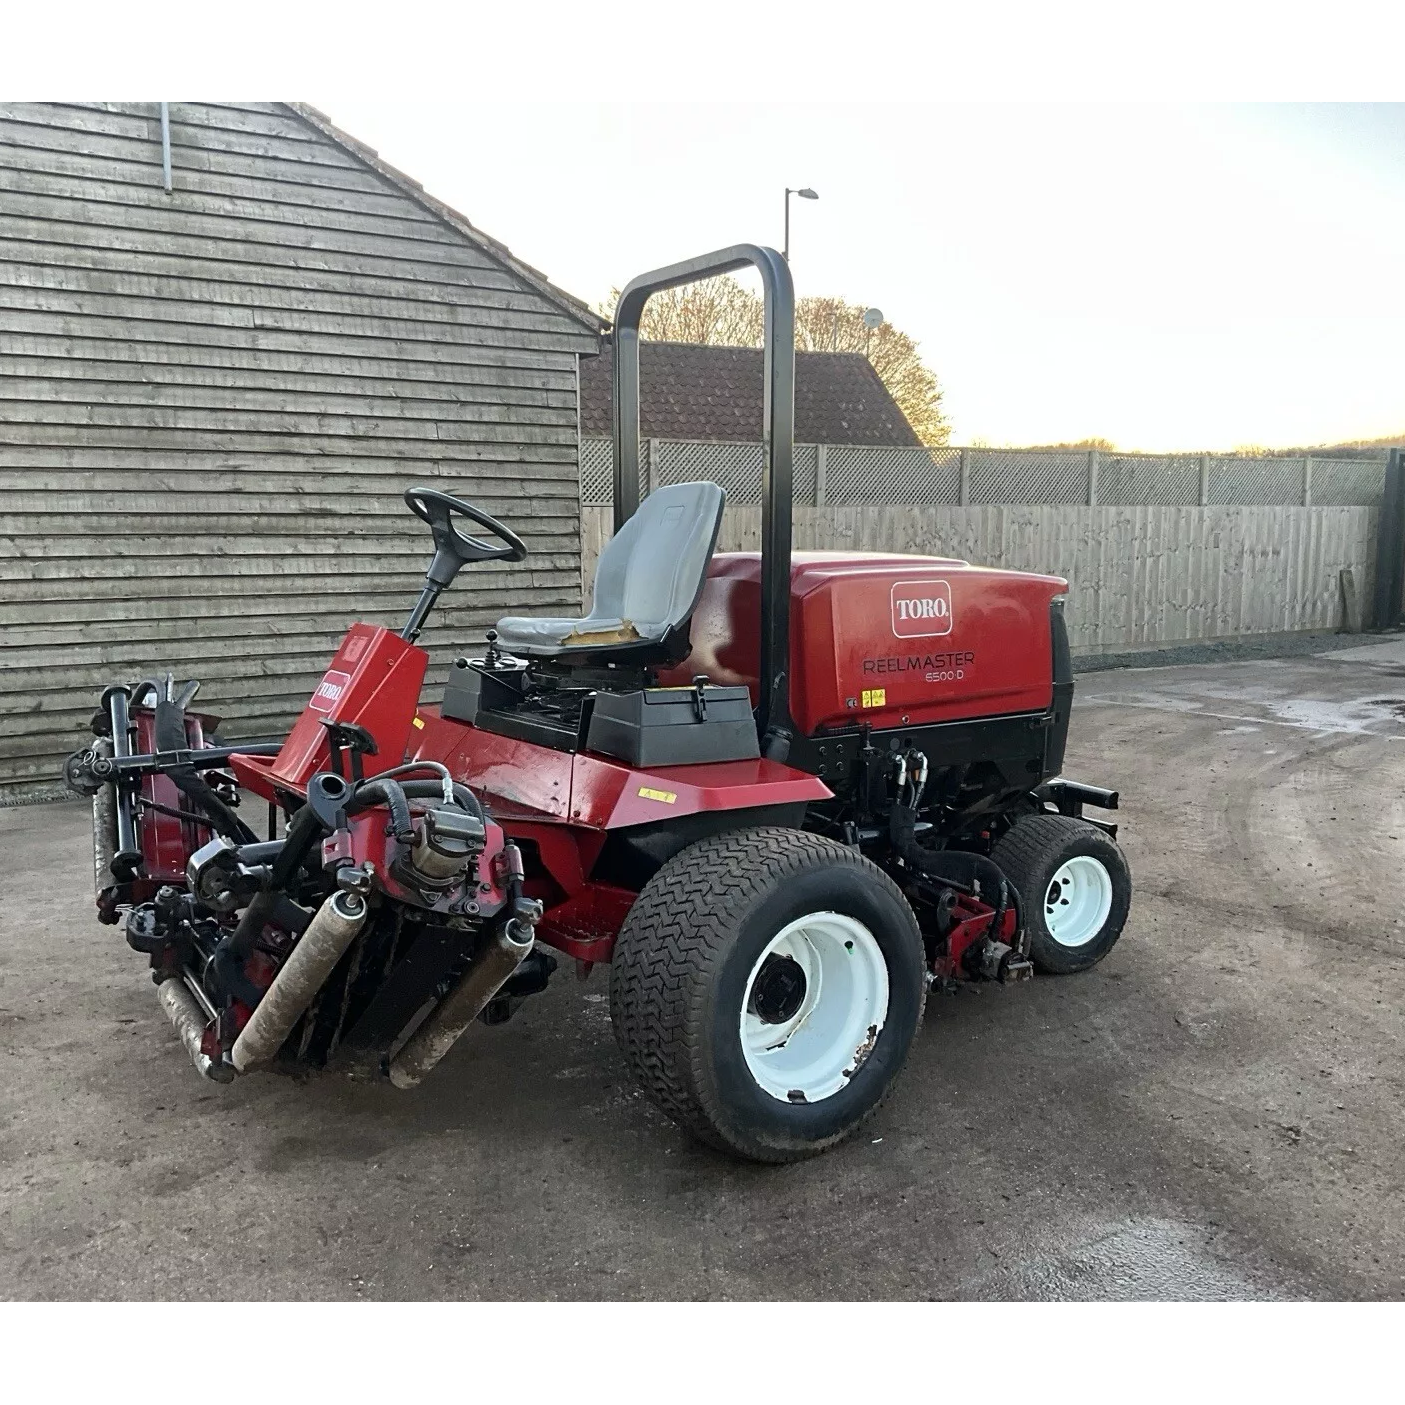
(228, 342)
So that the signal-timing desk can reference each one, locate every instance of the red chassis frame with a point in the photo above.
(564, 803)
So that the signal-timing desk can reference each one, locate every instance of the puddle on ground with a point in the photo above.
(1348, 715)
(1253, 706)
(1138, 1260)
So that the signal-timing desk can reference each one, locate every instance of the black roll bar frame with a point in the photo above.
(778, 450)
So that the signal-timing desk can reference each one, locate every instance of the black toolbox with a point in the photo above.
(674, 726)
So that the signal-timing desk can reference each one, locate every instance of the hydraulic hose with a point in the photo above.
(303, 831)
(227, 960)
(409, 769)
(140, 689)
(396, 795)
(382, 791)
(230, 953)
(170, 736)
(960, 868)
(464, 798)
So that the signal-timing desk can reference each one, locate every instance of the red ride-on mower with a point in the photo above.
(779, 794)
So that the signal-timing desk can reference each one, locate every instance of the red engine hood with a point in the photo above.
(885, 639)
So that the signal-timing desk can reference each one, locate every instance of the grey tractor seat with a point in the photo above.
(647, 584)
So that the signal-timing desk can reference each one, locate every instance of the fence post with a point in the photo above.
(1092, 477)
(1390, 546)
(1307, 481)
(964, 479)
(821, 474)
(1204, 480)
(651, 465)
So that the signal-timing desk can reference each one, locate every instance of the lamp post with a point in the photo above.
(806, 194)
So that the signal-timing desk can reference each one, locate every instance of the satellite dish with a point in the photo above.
(872, 318)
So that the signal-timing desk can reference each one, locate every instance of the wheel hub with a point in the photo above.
(1078, 901)
(779, 990)
(815, 1003)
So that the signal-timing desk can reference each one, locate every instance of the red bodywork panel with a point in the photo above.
(530, 781)
(255, 773)
(563, 803)
(522, 779)
(165, 841)
(888, 640)
(374, 680)
(365, 841)
(882, 639)
(971, 926)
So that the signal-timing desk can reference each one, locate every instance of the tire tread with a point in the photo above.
(667, 952)
(1023, 851)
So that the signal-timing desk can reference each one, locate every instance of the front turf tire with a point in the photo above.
(1075, 889)
(684, 976)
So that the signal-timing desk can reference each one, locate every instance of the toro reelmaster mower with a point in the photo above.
(779, 794)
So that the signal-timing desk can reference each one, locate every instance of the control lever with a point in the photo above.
(355, 740)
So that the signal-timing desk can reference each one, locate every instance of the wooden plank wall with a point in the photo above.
(1137, 575)
(210, 402)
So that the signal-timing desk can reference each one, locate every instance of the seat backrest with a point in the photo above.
(651, 572)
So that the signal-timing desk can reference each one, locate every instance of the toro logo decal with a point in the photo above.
(921, 608)
(329, 690)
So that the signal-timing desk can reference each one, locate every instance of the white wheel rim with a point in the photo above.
(1077, 901)
(810, 1052)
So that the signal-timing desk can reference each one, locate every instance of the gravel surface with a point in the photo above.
(1216, 1111)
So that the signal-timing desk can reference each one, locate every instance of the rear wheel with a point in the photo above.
(1074, 885)
(765, 989)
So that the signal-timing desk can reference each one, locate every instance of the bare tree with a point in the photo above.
(1105, 444)
(713, 312)
(831, 324)
(720, 312)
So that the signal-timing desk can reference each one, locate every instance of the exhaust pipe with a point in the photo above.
(501, 956)
(189, 1021)
(334, 927)
(104, 824)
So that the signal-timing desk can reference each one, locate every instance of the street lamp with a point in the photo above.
(806, 194)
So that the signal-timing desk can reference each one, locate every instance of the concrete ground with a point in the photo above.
(1214, 1112)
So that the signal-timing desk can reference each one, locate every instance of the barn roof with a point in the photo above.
(714, 392)
(573, 306)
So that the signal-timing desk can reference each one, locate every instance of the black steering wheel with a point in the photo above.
(439, 510)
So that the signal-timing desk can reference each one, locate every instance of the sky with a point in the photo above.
(1163, 276)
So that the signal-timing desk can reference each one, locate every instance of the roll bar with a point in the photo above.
(777, 450)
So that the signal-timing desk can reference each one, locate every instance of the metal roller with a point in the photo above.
(128, 856)
(190, 1021)
(335, 926)
(104, 825)
(501, 955)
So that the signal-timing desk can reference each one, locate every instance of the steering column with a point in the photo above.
(453, 548)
